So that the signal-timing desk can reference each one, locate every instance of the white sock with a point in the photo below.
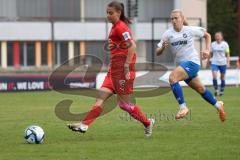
(217, 105)
(182, 106)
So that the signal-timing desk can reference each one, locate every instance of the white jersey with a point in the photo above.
(219, 51)
(181, 43)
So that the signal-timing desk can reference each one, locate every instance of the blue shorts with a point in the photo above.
(221, 68)
(191, 68)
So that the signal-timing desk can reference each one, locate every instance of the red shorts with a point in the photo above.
(119, 85)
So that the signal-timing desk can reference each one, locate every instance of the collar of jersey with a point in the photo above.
(116, 23)
(179, 31)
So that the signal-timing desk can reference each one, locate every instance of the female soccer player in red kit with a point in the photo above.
(120, 77)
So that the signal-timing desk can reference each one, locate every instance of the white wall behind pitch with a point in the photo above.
(13, 31)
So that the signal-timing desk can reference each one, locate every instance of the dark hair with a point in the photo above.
(120, 7)
(220, 32)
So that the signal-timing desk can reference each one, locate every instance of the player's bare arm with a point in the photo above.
(206, 53)
(159, 51)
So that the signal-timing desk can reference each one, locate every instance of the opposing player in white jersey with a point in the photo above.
(220, 61)
(180, 40)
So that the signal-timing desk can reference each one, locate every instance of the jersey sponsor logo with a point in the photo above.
(179, 43)
(216, 50)
(111, 46)
(126, 36)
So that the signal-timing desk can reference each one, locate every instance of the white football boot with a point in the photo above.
(148, 129)
(79, 127)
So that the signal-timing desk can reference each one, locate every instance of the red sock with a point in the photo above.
(140, 116)
(92, 115)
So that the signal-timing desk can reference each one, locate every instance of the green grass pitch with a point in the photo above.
(115, 136)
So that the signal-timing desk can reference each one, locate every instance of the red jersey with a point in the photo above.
(120, 36)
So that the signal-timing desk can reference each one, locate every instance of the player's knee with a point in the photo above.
(200, 89)
(222, 76)
(99, 102)
(172, 79)
(125, 106)
(214, 77)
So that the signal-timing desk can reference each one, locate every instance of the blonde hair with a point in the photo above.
(185, 23)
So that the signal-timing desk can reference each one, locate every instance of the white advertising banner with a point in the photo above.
(232, 77)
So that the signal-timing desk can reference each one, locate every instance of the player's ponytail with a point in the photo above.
(185, 23)
(120, 7)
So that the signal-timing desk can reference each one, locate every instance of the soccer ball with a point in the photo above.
(34, 134)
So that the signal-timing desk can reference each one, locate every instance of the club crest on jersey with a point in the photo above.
(126, 36)
(121, 83)
(184, 35)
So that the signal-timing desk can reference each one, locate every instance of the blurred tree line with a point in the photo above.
(222, 16)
